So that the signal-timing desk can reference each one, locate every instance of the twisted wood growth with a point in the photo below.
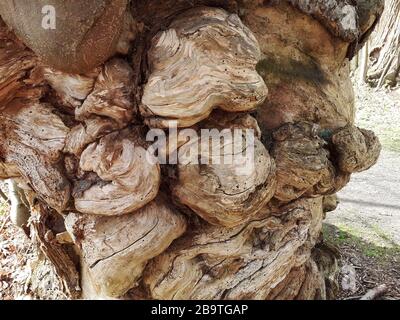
(186, 85)
(128, 181)
(70, 90)
(357, 149)
(33, 138)
(111, 96)
(244, 262)
(224, 192)
(131, 240)
(303, 165)
(116, 223)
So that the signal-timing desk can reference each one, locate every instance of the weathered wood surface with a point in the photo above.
(128, 180)
(308, 79)
(111, 96)
(43, 225)
(186, 85)
(304, 162)
(17, 64)
(70, 89)
(231, 186)
(73, 128)
(115, 250)
(32, 137)
(245, 262)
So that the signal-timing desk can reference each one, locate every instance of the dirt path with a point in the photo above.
(370, 204)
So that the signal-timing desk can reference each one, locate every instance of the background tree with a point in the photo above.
(385, 47)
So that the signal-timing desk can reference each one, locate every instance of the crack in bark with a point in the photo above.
(127, 247)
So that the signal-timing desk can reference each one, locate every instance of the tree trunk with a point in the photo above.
(79, 112)
(385, 49)
(364, 63)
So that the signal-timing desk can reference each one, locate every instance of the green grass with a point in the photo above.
(390, 140)
(381, 233)
(345, 235)
(3, 208)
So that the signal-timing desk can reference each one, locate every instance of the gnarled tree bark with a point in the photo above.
(113, 221)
